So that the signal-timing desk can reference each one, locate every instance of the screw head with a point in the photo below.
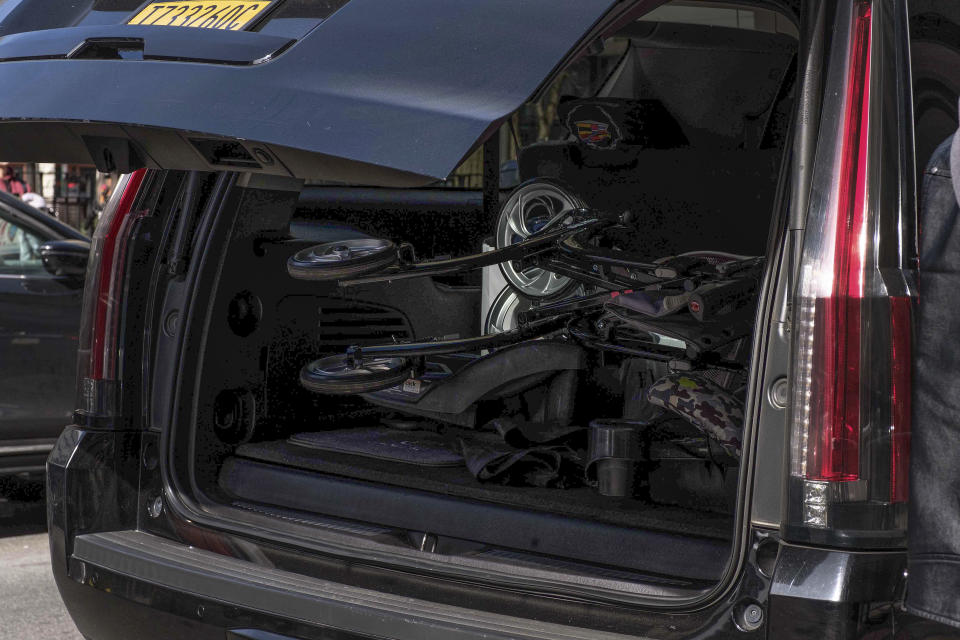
(149, 456)
(751, 617)
(155, 507)
(779, 394)
(170, 323)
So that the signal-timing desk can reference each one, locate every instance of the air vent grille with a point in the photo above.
(345, 322)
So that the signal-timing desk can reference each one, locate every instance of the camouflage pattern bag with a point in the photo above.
(717, 413)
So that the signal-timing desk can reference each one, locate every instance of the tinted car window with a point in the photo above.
(723, 92)
(19, 249)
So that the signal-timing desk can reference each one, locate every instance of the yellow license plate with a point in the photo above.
(232, 15)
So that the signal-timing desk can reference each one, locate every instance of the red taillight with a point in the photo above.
(901, 333)
(835, 392)
(834, 441)
(97, 354)
(108, 280)
(850, 406)
(832, 397)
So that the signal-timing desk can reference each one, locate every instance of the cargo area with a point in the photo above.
(591, 419)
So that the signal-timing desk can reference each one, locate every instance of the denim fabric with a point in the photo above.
(955, 162)
(934, 531)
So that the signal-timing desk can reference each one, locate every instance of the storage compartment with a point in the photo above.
(587, 413)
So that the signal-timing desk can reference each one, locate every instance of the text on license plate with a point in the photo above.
(232, 15)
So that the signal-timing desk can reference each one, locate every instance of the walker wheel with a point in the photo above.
(532, 206)
(342, 259)
(336, 375)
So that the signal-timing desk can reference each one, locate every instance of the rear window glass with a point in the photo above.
(19, 249)
(720, 15)
(720, 71)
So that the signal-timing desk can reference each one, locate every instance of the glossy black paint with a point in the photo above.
(65, 257)
(107, 480)
(145, 43)
(440, 76)
(39, 320)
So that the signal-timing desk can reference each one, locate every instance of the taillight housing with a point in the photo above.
(98, 357)
(852, 329)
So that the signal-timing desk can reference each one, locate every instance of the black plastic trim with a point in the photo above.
(153, 43)
(163, 563)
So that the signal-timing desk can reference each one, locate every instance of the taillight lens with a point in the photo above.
(901, 339)
(827, 393)
(98, 354)
(850, 406)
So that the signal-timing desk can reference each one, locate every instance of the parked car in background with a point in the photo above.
(304, 411)
(42, 267)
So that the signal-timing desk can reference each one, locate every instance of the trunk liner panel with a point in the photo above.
(535, 531)
(458, 482)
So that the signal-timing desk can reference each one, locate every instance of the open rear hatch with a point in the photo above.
(365, 93)
(300, 89)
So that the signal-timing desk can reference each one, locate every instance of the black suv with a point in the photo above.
(42, 265)
(545, 319)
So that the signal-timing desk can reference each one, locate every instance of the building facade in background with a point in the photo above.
(74, 193)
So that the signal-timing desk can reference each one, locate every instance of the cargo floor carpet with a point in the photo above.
(582, 502)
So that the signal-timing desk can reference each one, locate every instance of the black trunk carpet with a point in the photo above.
(581, 502)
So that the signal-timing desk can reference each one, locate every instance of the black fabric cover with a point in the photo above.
(527, 454)
(522, 435)
(694, 483)
(411, 447)
(693, 471)
(549, 467)
(934, 531)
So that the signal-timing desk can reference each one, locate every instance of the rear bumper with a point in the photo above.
(121, 584)
(118, 581)
(129, 584)
(24, 456)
